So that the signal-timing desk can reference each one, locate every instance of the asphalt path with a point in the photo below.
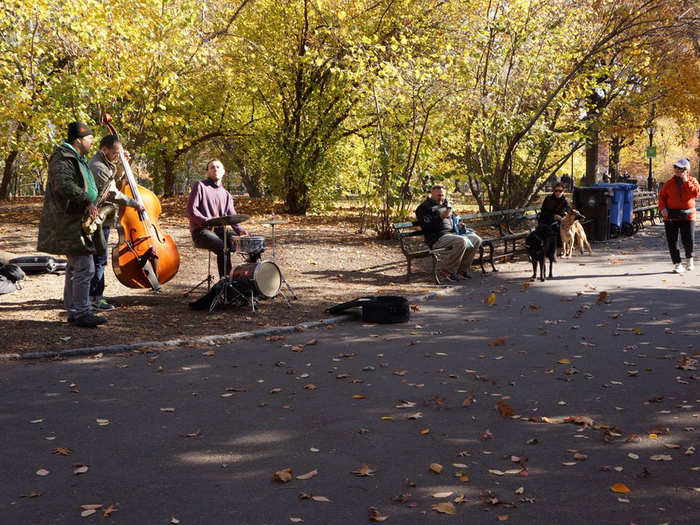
(536, 404)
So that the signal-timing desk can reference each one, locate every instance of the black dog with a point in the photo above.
(541, 243)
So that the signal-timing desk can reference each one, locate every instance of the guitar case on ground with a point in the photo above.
(378, 309)
(33, 264)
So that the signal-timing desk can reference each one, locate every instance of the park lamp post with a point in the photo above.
(651, 153)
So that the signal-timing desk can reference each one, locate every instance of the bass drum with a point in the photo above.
(263, 278)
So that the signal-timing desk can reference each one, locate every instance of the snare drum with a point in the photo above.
(251, 244)
(263, 278)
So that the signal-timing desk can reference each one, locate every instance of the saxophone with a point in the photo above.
(89, 224)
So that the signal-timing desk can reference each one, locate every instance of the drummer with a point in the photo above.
(208, 200)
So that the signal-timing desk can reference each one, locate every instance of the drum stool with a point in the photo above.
(208, 279)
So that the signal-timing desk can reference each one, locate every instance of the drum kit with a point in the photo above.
(254, 280)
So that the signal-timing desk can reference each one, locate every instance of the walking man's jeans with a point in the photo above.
(687, 231)
(76, 291)
(97, 285)
(214, 242)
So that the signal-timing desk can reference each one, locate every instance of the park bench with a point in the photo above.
(646, 208)
(501, 233)
(413, 246)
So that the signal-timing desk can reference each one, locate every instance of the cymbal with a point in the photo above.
(226, 220)
(275, 221)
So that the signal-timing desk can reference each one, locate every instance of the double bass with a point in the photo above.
(144, 257)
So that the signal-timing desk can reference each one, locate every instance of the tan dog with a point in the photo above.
(570, 229)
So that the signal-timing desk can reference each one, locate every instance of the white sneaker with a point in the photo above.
(678, 268)
(690, 265)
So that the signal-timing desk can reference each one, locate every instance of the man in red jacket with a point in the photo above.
(677, 205)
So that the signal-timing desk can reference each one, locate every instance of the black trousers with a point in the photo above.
(214, 242)
(687, 231)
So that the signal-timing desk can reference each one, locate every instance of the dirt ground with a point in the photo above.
(322, 257)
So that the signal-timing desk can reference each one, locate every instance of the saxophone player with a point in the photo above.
(71, 192)
(105, 168)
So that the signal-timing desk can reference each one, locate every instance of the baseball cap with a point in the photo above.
(682, 164)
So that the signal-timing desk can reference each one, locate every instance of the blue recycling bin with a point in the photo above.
(621, 208)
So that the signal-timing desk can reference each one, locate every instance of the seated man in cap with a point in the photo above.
(439, 228)
(208, 200)
(71, 192)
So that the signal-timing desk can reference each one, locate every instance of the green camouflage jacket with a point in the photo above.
(65, 201)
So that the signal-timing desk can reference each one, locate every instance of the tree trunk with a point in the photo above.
(7, 174)
(169, 179)
(297, 199)
(614, 157)
(251, 185)
(591, 158)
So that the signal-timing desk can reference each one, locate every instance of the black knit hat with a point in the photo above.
(77, 130)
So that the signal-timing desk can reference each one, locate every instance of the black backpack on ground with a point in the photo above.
(10, 277)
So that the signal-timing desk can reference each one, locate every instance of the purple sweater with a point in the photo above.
(207, 201)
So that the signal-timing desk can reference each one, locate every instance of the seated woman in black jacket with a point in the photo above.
(554, 206)
(553, 210)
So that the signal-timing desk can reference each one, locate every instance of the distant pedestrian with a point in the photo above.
(677, 205)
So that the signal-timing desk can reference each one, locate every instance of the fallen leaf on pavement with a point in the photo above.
(308, 475)
(442, 494)
(79, 468)
(364, 470)
(504, 409)
(660, 457)
(63, 451)
(620, 488)
(321, 499)
(284, 475)
(436, 468)
(490, 299)
(375, 515)
(501, 341)
(445, 508)
(42, 472)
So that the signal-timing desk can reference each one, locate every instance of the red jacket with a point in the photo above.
(671, 199)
